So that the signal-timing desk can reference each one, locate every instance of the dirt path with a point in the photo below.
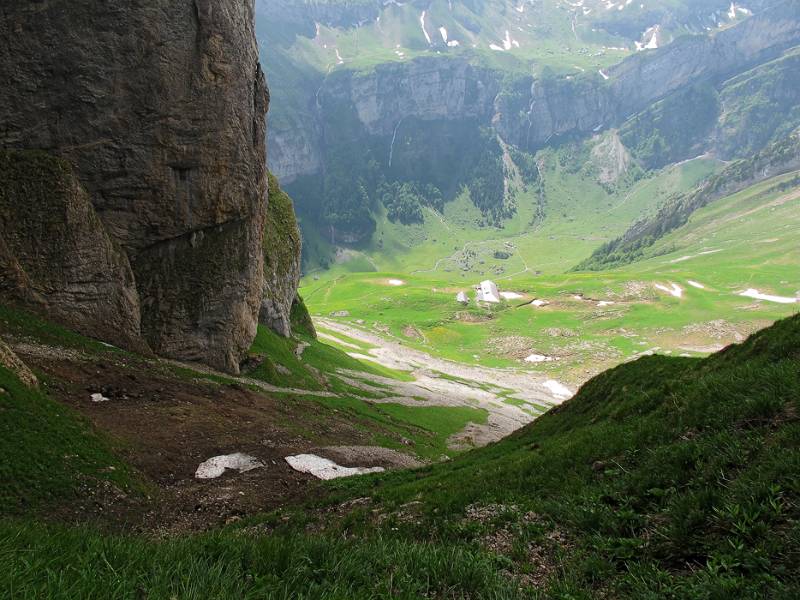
(512, 398)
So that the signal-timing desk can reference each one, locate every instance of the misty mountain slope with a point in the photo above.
(383, 125)
(781, 157)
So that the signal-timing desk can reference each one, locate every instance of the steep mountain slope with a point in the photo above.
(662, 478)
(781, 157)
(386, 126)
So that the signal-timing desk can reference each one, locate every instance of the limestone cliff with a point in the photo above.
(282, 248)
(596, 101)
(55, 254)
(159, 106)
(526, 112)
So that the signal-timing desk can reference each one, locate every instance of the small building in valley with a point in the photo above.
(487, 292)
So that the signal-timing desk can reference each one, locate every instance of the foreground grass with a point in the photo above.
(225, 565)
(50, 456)
(663, 478)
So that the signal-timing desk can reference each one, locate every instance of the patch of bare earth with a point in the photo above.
(165, 425)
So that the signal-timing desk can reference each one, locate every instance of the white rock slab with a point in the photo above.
(215, 467)
(322, 468)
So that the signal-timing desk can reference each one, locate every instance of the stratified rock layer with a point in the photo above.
(160, 107)
(55, 255)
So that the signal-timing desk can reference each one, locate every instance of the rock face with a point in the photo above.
(282, 250)
(597, 101)
(56, 256)
(160, 106)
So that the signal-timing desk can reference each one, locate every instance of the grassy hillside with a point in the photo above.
(780, 157)
(592, 320)
(664, 478)
(50, 456)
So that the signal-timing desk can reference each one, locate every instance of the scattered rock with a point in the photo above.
(413, 333)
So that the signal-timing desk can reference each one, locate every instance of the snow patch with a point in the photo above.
(558, 389)
(674, 290)
(100, 398)
(753, 293)
(424, 31)
(510, 295)
(539, 358)
(215, 467)
(396, 282)
(322, 468)
(694, 284)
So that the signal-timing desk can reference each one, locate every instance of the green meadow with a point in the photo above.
(408, 276)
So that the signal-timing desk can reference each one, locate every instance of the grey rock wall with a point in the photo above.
(160, 107)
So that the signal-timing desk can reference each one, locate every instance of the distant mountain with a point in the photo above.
(398, 106)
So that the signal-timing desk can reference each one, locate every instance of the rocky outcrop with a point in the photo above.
(282, 249)
(759, 106)
(430, 88)
(55, 254)
(10, 361)
(159, 106)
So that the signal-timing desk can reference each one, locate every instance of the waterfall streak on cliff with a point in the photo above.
(394, 137)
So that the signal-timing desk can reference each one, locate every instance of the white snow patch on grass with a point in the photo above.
(674, 290)
(396, 282)
(215, 467)
(694, 284)
(753, 293)
(322, 468)
(511, 295)
(539, 358)
(557, 389)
